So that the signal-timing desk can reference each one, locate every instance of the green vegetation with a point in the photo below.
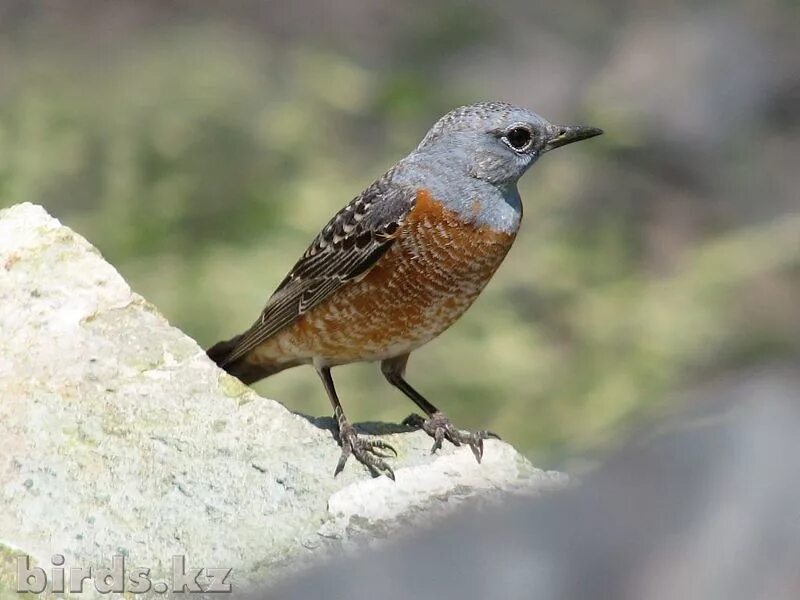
(201, 158)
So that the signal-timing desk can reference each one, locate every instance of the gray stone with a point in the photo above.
(700, 504)
(119, 437)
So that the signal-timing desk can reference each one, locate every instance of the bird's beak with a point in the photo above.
(566, 134)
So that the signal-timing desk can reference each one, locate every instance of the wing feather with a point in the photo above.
(346, 248)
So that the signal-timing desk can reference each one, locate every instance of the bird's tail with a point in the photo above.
(248, 372)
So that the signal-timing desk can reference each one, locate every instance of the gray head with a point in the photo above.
(495, 141)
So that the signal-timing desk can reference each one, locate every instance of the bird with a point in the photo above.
(400, 263)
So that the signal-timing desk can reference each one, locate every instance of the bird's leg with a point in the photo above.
(436, 425)
(369, 453)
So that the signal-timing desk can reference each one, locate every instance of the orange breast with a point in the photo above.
(432, 273)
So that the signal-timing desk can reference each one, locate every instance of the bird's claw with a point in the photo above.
(439, 427)
(368, 452)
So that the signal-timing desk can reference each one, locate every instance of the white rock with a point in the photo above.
(119, 437)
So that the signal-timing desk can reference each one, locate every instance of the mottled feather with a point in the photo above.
(346, 249)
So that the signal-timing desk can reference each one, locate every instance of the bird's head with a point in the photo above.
(496, 142)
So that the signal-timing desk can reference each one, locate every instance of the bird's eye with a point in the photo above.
(519, 138)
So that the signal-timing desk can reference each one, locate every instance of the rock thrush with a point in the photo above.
(401, 263)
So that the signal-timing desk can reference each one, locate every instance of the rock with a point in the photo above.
(699, 504)
(120, 438)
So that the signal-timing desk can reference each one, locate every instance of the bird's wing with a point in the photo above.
(346, 248)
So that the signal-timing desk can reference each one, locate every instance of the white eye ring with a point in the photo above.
(518, 137)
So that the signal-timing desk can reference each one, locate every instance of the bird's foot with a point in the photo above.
(439, 427)
(369, 453)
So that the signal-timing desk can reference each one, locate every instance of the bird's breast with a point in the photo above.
(433, 272)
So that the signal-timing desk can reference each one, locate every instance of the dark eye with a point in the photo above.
(518, 138)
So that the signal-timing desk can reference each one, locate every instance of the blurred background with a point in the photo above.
(201, 145)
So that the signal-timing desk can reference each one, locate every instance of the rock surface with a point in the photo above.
(119, 437)
(700, 504)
